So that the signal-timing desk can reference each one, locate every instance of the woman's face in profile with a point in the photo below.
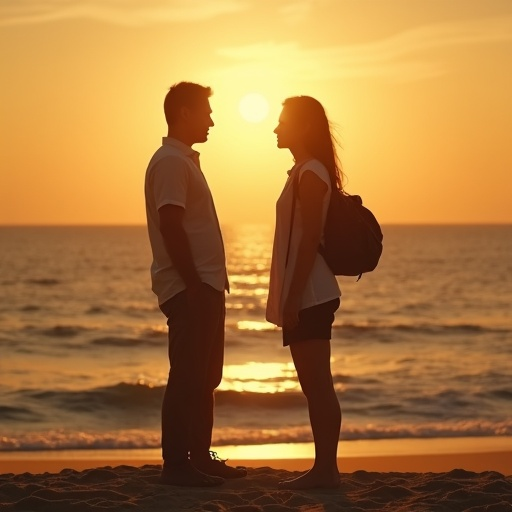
(288, 132)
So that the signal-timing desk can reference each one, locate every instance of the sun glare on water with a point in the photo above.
(253, 107)
(259, 377)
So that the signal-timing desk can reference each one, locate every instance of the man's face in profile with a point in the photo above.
(200, 121)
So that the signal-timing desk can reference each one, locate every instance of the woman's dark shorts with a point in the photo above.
(315, 323)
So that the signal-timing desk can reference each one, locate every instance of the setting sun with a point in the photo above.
(253, 107)
(398, 82)
(151, 155)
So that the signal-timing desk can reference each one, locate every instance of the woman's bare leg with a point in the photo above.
(312, 362)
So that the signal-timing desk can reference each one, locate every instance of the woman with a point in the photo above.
(303, 292)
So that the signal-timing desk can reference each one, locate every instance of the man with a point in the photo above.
(189, 277)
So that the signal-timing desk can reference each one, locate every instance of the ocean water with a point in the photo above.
(422, 347)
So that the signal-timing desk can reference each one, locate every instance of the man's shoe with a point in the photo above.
(186, 475)
(216, 466)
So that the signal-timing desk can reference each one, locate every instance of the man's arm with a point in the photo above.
(178, 246)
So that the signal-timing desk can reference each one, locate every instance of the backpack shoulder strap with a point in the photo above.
(295, 185)
(295, 190)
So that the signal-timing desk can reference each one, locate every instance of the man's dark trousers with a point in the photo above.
(196, 356)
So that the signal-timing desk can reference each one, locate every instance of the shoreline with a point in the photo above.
(500, 462)
(474, 454)
(478, 480)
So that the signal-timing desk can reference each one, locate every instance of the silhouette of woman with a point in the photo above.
(303, 291)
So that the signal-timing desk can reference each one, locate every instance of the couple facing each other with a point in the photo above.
(189, 277)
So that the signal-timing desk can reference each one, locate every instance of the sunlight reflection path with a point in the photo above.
(259, 377)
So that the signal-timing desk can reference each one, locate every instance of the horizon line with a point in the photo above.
(120, 225)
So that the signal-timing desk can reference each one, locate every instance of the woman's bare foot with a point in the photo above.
(313, 479)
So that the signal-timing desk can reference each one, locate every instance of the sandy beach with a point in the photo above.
(471, 482)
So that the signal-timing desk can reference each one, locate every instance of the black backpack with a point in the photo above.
(352, 235)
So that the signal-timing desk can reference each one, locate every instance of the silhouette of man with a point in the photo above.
(189, 277)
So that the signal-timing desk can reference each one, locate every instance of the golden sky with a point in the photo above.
(420, 91)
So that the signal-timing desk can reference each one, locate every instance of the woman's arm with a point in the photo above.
(312, 190)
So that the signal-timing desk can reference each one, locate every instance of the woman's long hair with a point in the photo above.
(320, 142)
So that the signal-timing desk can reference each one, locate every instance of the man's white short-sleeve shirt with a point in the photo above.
(174, 177)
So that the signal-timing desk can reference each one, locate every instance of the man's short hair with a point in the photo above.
(183, 94)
